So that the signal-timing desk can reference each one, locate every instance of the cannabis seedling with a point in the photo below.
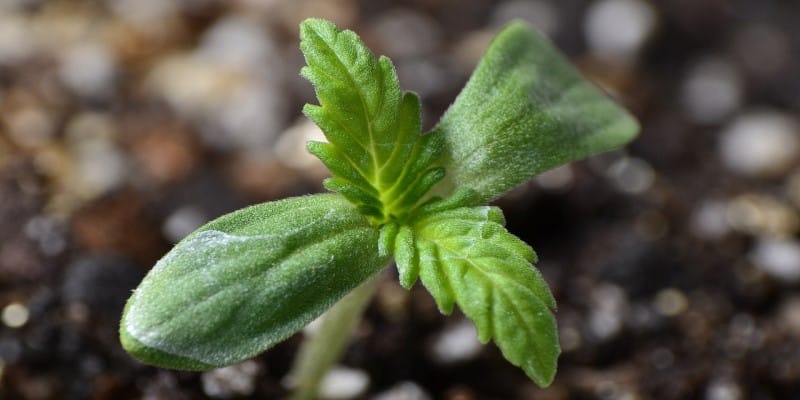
(252, 278)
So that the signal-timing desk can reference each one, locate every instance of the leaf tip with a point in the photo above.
(152, 356)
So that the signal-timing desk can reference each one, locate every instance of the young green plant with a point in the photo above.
(252, 278)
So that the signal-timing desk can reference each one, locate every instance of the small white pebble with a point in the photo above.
(31, 127)
(183, 222)
(15, 315)
(252, 116)
(541, 14)
(424, 76)
(102, 166)
(780, 258)
(90, 126)
(709, 220)
(570, 339)
(403, 391)
(617, 29)
(723, 389)
(712, 91)
(762, 215)
(143, 11)
(609, 306)
(631, 175)
(556, 179)
(233, 381)
(469, 49)
(48, 232)
(456, 343)
(17, 41)
(239, 43)
(89, 70)
(290, 147)
(231, 87)
(421, 33)
(670, 302)
(763, 144)
(342, 383)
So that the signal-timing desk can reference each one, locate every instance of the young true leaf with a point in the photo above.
(525, 110)
(376, 154)
(248, 280)
(465, 256)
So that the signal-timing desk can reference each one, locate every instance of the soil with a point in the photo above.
(676, 268)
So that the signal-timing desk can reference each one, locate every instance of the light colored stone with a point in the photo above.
(239, 43)
(17, 41)
(541, 14)
(631, 175)
(617, 29)
(709, 220)
(233, 381)
(712, 90)
(557, 179)
(762, 144)
(182, 222)
(230, 87)
(469, 49)
(342, 383)
(458, 342)
(15, 315)
(403, 391)
(143, 11)
(570, 339)
(88, 69)
(31, 127)
(609, 305)
(762, 215)
(100, 164)
(779, 258)
(424, 76)
(420, 33)
(670, 302)
(290, 148)
(723, 389)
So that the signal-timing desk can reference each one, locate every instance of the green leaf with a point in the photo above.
(378, 158)
(465, 256)
(525, 110)
(249, 280)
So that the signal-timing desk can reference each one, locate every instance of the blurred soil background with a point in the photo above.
(125, 124)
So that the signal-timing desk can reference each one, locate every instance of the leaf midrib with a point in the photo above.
(361, 97)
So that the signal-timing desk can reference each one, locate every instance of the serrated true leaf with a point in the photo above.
(375, 152)
(248, 280)
(525, 110)
(465, 256)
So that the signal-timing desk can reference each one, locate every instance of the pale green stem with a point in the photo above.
(324, 348)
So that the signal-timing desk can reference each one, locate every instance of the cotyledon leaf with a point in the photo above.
(249, 280)
(465, 256)
(525, 110)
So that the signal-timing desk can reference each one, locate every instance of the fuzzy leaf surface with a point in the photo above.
(525, 110)
(465, 256)
(248, 280)
(375, 152)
